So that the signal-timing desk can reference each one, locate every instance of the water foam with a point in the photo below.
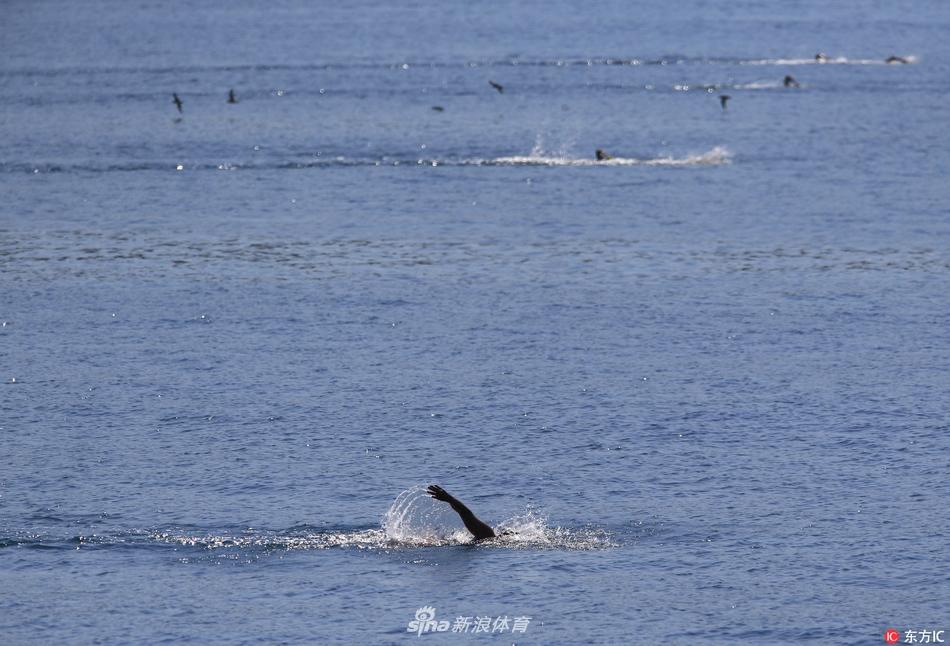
(301, 539)
(759, 85)
(715, 157)
(537, 157)
(837, 60)
(610, 61)
(413, 520)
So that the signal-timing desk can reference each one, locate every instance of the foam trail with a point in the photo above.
(537, 157)
(838, 60)
(414, 520)
(714, 157)
(759, 85)
(303, 539)
(443, 64)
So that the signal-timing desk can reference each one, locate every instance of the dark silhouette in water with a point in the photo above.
(231, 97)
(177, 102)
(723, 99)
(601, 155)
(438, 108)
(479, 530)
(896, 59)
(820, 57)
(497, 86)
(790, 81)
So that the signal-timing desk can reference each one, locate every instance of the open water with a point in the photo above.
(705, 382)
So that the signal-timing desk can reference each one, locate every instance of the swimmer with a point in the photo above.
(231, 97)
(821, 57)
(896, 59)
(601, 155)
(177, 102)
(438, 108)
(479, 530)
(497, 86)
(790, 81)
(723, 99)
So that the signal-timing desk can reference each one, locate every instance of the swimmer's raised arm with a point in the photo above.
(478, 529)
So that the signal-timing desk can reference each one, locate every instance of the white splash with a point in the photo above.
(416, 519)
(539, 149)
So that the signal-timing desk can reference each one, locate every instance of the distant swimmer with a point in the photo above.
(821, 57)
(497, 86)
(438, 108)
(791, 82)
(479, 530)
(177, 102)
(896, 59)
(723, 100)
(602, 156)
(231, 97)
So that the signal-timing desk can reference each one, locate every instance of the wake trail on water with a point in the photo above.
(837, 60)
(716, 156)
(413, 520)
(401, 66)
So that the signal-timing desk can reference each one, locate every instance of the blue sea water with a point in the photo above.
(707, 381)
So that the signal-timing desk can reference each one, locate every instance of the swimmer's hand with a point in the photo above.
(477, 528)
(439, 493)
